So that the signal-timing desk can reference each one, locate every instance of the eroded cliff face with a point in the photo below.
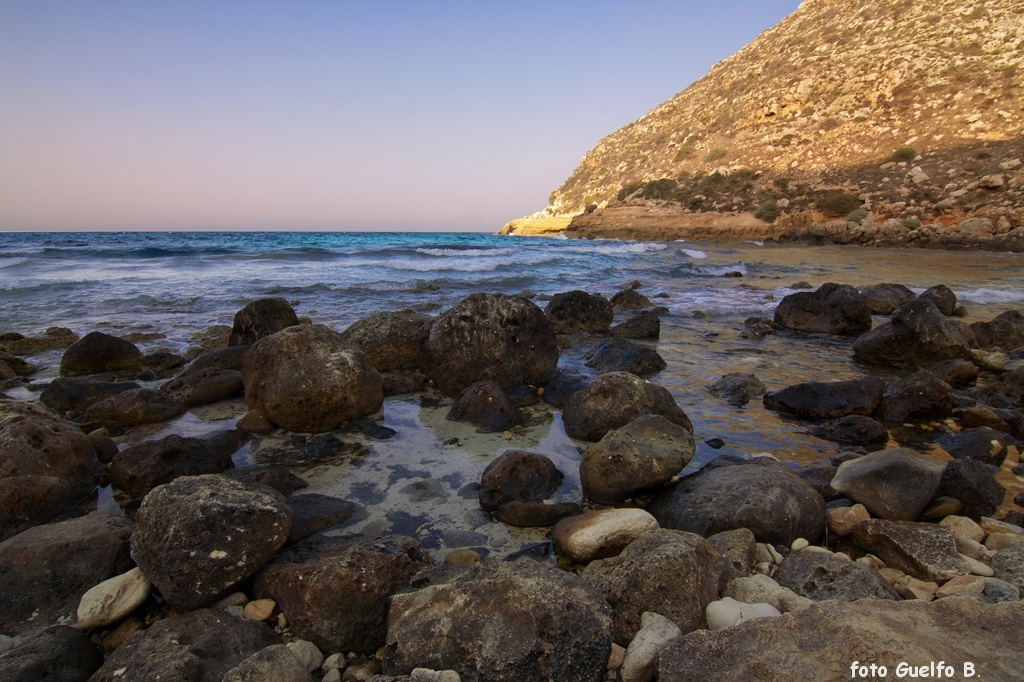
(820, 103)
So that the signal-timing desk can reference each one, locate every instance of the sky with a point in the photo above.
(305, 115)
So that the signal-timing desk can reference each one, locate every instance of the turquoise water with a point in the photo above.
(172, 285)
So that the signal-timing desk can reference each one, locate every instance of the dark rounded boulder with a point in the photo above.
(615, 399)
(630, 299)
(820, 576)
(562, 386)
(644, 325)
(642, 455)
(198, 536)
(60, 653)
(198, 646)
(305, 378)
(578, 311)
(832, 308)
(390, 339)
(828, 399)
(139, 468)
(505, 339)
(917, 336)
(260, 319)
(854, 429)
(97, 352)
(893, 484)
(883, 299)
(499, 621)
(624, 355)
(981, 443)
(518, 476)
(73, 395)
(1004, 331)
(485, 405)
(220, 358)
(135, 406)
(535, 514)
(205, 385)
(957, 372)
(919, 397)
(943, 298)
(334, 591)
(669, 572)
(47, 466)
(974, 484)
(760, 494)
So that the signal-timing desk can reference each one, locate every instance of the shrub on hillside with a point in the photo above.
(838, 204)
(856, 215)
(768, 211)
(716, 154)
(904, 153)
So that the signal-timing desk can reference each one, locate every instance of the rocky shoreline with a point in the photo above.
(882, 556)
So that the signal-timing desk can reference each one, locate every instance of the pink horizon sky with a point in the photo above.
(328, 115)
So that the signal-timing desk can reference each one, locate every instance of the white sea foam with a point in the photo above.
(982, 296)
(694, 253)
(613, 249)
(721, 270)
(10, 262)
(466, 253)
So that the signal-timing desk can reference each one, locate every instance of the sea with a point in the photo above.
(166, 288)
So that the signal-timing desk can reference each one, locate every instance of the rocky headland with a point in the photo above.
(871, 123)
(881, 556)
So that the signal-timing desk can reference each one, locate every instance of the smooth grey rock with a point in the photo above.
(893, 484)
(276, 663)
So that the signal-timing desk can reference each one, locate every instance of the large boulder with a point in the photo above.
(982, 443)
(883, 299)
(615, 399)
(73, 395)
(760, 494)
(669, 572)
(832, 308)
(334, 591)
(199, 646)
(220, 358)
(918, 336)
(820, 576)
(892, 484)
(641, 455)
(135, 406)
(828, 399)
(276, 663)
(644, 325)
(59, 653)
(823, 641)
(205, 385)
(390, 339)
(139, 468)
(506, 339)
(958, 373)
(942, 296)
(485, 405)
(97, 352)
(48, 568)
(305, 378)
(920, 396)
(47, 466)
(261, 318)
(923, 550)
(1004, 331)
(500, 621)
(198, 536)
(624, 355)
(578, 311)
(974, 484)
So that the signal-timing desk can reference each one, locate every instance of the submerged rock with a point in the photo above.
(624, 355)
(515, 621)
(828, 399)
(485, 405)
(738, 389)
(854, 429)
(518, 476)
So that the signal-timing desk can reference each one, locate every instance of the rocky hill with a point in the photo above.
(906, 110)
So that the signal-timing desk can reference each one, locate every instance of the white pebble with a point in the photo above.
(799, 544)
